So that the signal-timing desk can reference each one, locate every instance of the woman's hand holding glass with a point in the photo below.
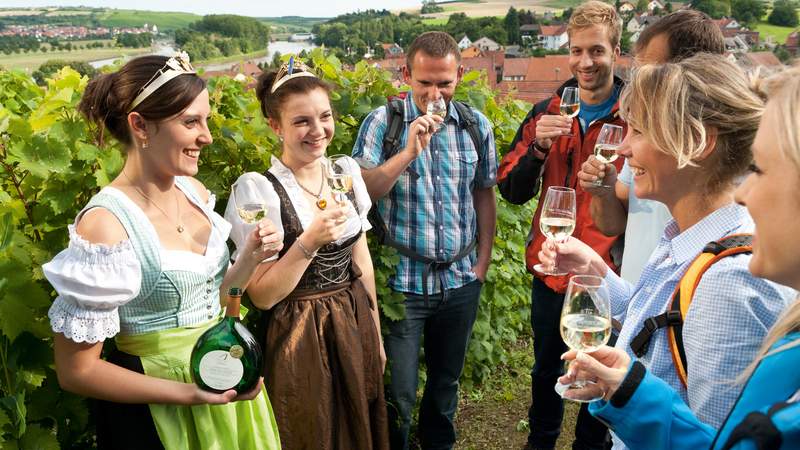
(572, 256)
(595, 175)
(557, 222)
(607, 366)
(252, 210)
(327, 226)
(585, 326)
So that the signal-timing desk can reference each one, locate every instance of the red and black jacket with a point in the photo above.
(521, 174)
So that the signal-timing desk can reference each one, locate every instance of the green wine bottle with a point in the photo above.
(227, 356)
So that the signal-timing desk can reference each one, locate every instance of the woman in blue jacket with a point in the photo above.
(645, 411)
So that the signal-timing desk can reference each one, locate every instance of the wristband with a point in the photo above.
(539, 147)
(306, 253)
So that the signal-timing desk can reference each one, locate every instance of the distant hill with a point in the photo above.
(291, 24)
(97, 17)
(494, 8)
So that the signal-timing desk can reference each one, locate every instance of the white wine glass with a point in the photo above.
(585, 327)
(437, 107)
(339, 176)
(605, 148)
(250, 206)
(570, 103)
(557, 220)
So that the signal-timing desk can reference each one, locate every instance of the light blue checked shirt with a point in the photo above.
(432, 214)
(730, 314)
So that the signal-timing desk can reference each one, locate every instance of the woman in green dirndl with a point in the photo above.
(146, 261)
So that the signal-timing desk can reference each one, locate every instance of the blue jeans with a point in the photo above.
(446, 325)
(547, 407)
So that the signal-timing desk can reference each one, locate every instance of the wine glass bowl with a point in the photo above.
(570, 103)
(437, 107)
(557, 220)
(339, 176)
(251, 207)
(585, 327)
(605, 148)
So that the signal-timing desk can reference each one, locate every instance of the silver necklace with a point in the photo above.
(179, 228)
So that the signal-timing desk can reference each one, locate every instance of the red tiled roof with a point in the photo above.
(549, 68)
(766, 59)
(471, 52)
(484, 64)
(553, 30)
(793, 39)
(515, 67)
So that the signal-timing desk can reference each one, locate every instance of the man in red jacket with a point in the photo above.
(548, 150)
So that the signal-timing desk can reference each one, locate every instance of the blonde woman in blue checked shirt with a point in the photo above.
(691, 126)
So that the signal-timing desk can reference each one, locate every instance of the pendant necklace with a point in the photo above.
(179, 228)
(321, 202)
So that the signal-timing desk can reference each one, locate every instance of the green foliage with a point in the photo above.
(222, 35)
(714, 8)
(430, 7)
(784, 13)
(135, 40)
(51, 164)
(512, 23)
(9, 44)
(49, 68)
(748, 12)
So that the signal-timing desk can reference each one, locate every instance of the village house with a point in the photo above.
(485, 43)
(392, 51)
(464, 42)
(553, 37)
(626, 7)
(793, 42)
(529, 31)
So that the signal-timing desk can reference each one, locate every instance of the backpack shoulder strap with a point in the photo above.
(469, 123)
(395, 115)
(682, 298)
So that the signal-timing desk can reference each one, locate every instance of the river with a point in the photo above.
(166, 48)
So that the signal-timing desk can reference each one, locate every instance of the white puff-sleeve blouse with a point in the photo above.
(255, 184)
(114, 275)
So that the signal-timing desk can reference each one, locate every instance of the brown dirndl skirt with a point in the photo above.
(323, 372)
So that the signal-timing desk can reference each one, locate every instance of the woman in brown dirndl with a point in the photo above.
(324, 357)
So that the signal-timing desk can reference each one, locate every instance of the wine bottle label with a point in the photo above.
(219, 370)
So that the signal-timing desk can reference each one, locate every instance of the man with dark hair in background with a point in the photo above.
(432, 180)
(615, 211)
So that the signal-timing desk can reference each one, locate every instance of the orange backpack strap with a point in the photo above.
(682, 298)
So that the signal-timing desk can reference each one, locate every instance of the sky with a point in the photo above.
(264, 8)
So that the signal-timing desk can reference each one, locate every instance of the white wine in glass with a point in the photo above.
(437, 107)
(251, 213)
(340, 178)
(605, 148)
(557, 221)
(585, 327)
(570, 103)
(250, 206)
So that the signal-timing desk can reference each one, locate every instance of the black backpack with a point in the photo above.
(395, 121)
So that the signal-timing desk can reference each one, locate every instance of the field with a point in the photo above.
(31, 61)
(496, 8)
(131, 18)
(778, 33)
(291, 24)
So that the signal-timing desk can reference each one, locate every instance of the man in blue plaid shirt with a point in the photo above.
(435, 195)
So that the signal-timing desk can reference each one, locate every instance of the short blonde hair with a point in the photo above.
(593, 13)
(677, 105)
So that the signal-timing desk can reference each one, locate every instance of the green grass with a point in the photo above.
(31, 61)
(292, 23)
(435, 21)
(562, 3)
(130, 18)
(778, 33)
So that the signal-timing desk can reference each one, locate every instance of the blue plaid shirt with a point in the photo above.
(730, 314)
(432, 214)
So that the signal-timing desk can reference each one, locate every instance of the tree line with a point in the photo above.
(222, 35)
